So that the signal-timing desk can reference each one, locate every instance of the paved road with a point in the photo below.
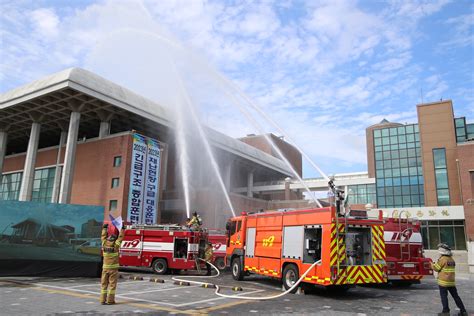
(50, 296)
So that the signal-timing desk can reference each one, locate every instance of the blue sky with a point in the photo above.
(324, 70)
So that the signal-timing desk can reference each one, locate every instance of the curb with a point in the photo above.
(157, 280)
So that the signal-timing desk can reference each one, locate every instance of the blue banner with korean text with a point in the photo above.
(137, 177)
(152, 182)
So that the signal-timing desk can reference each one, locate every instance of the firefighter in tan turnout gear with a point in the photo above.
(208, 253)
(445, 266)
(110, 252)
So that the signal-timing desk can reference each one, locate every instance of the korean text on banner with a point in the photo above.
(152, 182)
(137, 176)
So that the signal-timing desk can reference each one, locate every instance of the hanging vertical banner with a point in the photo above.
(152, 182)
(137, 177)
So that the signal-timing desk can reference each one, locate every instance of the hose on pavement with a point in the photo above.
(244, 297)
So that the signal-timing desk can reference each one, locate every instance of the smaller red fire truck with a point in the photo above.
(164, 248)
(218, 240)
(404, 251)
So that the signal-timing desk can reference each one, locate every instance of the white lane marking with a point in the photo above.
(217, 298)
(158, 290)
(15, 304)
(97, 293)
(144, 300)
(22, 298)
(253, 311)
(90, 302)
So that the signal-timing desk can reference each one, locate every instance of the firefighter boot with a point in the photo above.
(113, 278)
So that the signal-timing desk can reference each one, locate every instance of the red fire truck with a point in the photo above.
(218, 240)
(164, 248)
(404, 249)
(284, 244)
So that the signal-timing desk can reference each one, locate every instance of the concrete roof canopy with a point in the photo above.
(50, 100)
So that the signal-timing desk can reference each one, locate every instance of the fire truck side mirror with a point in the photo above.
(227, 226)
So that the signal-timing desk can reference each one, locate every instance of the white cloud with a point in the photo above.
(45, 22)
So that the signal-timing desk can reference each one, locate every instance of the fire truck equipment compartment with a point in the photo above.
(358, 245)
(293, 242)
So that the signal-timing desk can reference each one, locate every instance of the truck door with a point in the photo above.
(234, 234)
(180, 249)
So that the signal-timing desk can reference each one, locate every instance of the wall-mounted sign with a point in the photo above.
(144, 174)
(426, 213)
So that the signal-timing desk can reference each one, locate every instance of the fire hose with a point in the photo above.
(244, 297)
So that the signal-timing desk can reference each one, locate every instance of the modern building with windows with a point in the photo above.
(426, 170)
(68, 138)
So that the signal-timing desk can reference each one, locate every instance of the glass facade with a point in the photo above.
(399, 175)
(449, 232)
(10, 186)
(362, 194)
(43, 185)
(441, 176)
(463, 131)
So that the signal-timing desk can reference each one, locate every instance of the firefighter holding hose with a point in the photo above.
(110, 252)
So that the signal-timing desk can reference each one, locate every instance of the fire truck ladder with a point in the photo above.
(340, 235)
(169, 227)
(403, 242)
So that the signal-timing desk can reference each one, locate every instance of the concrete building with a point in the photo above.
(426, 170)
(67, 138)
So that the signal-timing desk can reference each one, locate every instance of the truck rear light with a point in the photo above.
(333, 273)
(385, 276)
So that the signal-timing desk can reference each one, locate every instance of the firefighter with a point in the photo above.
(110, 252)
(195, 222)
(208, 253)
(445, 266)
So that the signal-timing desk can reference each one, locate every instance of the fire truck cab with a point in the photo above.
(284, 244)
(164, 248)
(404, 247)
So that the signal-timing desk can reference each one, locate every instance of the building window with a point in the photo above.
(117, 161)
(112, 205)
(441, 176)
(449, 232)
(460, 125)
(43, 184)
(115, 182)
(10, 186)
(362, 194)
(470, 130)
(399, 177)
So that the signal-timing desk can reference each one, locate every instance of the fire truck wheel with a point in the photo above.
(219, 263)
(160, 266)
(237, 272)
(290, 277)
